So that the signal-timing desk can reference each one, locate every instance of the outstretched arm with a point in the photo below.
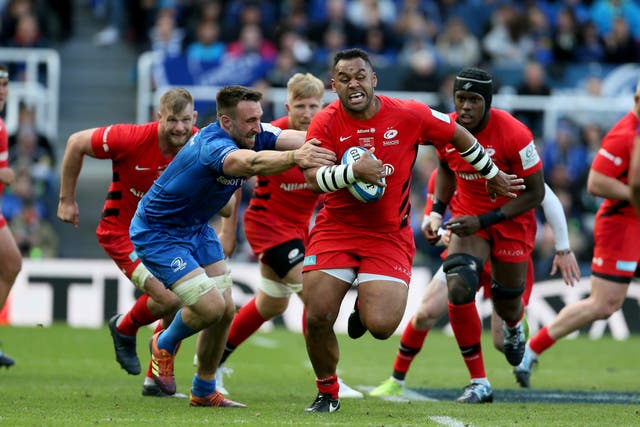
(78, 145)
(498, 182)
(564, 259)
(271, 162)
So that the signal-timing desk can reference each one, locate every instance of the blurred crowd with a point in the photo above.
(531, 47)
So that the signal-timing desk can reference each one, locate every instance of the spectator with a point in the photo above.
(165, 36)
(619, 45)
(365, 13)
(540, 31)
(565, 39)
(207, 47)
(380, 46)
(507, 44)
(251, 40)
(335, 21)
(241, 13)
(114, 11)
(429, 12)
(284, 68)
(27, 119)
(534, 83)
(457, 47)
(565, 159)
(27, 215)
(335, 40)
(591, 45)
(296, 43)
(419, 56)
(605, 12)
(27, 154)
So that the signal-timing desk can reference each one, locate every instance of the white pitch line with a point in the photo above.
(449, 422)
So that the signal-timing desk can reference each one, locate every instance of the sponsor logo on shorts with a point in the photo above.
(510, 253)
(626, 265)
(309, 260)
(178, 264)
(294, 254)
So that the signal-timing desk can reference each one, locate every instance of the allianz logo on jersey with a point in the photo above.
(293, 186)
(470, 176)
(234, 182)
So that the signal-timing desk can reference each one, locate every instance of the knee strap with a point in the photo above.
(190, 291)
(279, 290)
(501, 292)
(140, 276)
(467, 269)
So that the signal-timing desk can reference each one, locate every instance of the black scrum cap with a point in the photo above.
(477, 81)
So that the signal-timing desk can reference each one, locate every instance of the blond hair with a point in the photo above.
(175, 100)
(306, 85)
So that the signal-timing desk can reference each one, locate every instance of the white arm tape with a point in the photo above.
(332, 178)
(554, 212)
(480, 160)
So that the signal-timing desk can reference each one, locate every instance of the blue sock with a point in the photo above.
(176, 332)
(202, 388)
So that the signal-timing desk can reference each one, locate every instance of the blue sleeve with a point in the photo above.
(266, 140)
(214, 151)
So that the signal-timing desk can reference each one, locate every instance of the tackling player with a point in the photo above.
(139, 154)
(171, 234)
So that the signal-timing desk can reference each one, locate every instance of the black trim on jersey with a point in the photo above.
(262, 196)
(114, 195)
(110, 212)
(616, 209)
(611, 278)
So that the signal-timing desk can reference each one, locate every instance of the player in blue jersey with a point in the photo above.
(171, 233)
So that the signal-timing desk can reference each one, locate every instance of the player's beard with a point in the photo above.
(178, 140)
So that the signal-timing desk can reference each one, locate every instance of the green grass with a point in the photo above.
(68, 377)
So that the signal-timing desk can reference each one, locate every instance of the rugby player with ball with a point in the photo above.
(369, 242)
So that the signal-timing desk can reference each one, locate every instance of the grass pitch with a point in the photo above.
(69, 377)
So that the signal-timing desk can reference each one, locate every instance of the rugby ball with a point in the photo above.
(363, 191)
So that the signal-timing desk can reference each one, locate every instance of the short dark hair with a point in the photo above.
(228, 97)
(351, 54)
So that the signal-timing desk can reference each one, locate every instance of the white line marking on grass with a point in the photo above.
(449, 422)
(407, 395)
